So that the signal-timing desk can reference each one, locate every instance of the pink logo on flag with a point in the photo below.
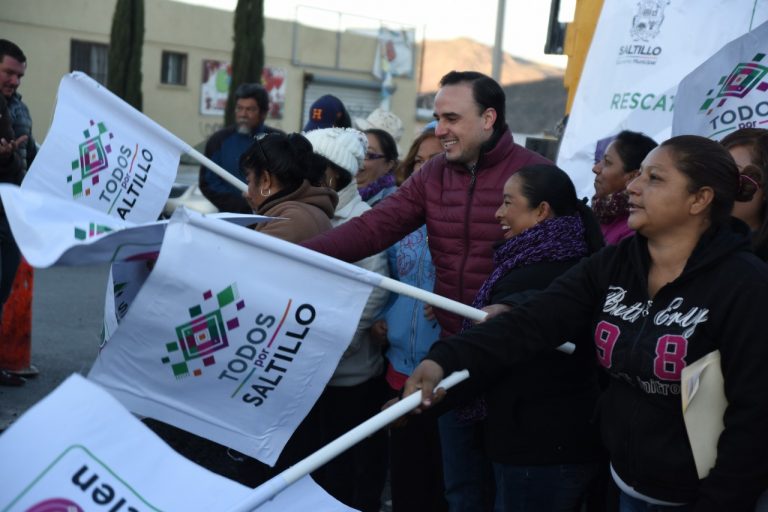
(198, 340)
(745, 77)
(56, 505)
(92, 159)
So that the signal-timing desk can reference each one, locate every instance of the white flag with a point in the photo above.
(639, 53)
(103, 153)
(729, 91)
(78, 450)
(234, 334)
(53, 231)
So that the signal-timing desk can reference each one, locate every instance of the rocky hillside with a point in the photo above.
(465, 54)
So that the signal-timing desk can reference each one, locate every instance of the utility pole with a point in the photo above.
(497, 51)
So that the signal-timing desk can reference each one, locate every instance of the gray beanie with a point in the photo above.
(344, 147)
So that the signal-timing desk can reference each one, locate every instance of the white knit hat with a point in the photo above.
(344, 147)
(383, 120)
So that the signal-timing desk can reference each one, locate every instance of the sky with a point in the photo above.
(525, 21)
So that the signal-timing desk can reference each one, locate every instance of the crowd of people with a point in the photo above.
(664, 265)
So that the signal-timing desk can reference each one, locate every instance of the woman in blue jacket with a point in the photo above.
(685, 286)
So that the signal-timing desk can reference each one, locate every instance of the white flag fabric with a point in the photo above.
(729, 91)
(53, 231)
(639, 53)
(234, 334)
(79, 450)
(102, 153)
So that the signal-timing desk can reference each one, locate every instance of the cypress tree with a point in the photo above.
(248, 51)
(126, 42)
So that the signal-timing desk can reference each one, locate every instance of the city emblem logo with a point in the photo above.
(646, 23)
(92, 159)
(745, 77)
(198, 340)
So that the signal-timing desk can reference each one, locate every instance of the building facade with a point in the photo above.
(186, 49)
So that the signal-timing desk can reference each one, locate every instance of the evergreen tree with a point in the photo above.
(125, 47)
(248, 51)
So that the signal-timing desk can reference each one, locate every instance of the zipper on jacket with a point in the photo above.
(468, 210)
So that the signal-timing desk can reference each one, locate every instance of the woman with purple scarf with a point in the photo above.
(619, 165)
(376, 180)
(537, 429)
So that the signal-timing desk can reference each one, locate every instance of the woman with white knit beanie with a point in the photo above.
(357, 388)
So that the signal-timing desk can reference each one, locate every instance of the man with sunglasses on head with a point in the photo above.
(227, 145)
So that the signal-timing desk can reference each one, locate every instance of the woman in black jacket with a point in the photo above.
(538, 431)
(685, 286)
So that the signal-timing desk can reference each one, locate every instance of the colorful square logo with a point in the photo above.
(745, 77)
(205, 334)
(92, 159)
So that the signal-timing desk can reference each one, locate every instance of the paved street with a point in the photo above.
(67, 311)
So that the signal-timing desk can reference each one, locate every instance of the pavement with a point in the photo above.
(67, 314)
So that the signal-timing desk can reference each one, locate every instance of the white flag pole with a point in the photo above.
(350, 271)
(213, 166)
(277, 484)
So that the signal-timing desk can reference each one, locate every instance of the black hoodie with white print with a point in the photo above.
(719, 302)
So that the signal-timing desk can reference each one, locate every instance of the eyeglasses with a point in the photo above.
(374, 156)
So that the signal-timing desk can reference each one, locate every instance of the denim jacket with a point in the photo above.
(410, 334)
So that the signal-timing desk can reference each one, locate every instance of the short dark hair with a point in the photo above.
(12, 50)
(632, 148)
(387, 143)
(256, 92)
(708, 164)
(289, 158)
(547, 183)
(486, 92)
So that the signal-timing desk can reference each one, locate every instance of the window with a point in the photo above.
(90, 58)
(174, 68)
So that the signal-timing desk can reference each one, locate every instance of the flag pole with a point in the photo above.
(345, 270)
(216, 168)
(275, 485)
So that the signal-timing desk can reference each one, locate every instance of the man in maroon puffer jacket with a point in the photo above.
(456, 194)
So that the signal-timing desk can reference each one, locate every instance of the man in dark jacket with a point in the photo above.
(226, 145)
(17, 149)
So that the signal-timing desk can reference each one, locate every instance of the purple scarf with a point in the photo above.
(610, 207)
(382, 182)
(558, 239)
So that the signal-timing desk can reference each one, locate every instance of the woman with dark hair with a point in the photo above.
(537, 431)
(285, 180)
(376, 179)
(749, 148)
(618, 166)
(686, 285)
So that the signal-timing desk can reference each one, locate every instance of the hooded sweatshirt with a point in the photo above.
(363, 358)
(305, 212)
(717, 303)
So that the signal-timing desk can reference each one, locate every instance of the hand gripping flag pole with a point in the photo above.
(277, 484)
